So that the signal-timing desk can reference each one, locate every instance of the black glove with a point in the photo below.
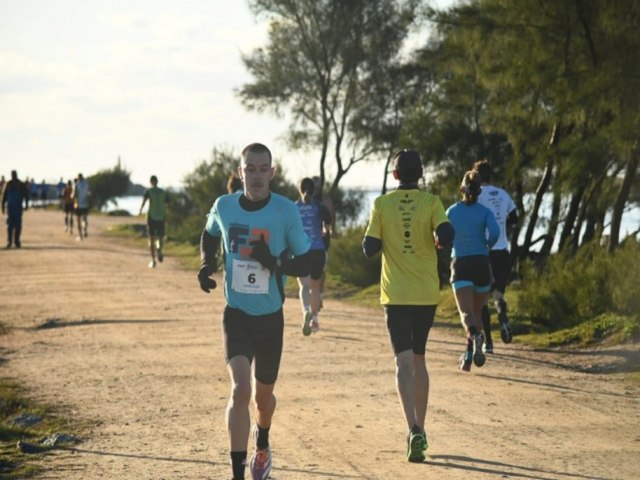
(206, 283)
(262, 254)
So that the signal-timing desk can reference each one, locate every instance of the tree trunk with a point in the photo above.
(545, 180)
(545, 250)
(623, 195)
(570, 219)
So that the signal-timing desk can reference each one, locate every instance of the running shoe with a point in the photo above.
(160, 256)
(260, 464)
(505, 329)
(478, 356)
(306, 326)
(487, 347)
(315, 326)
(465, 361)
(417, 444)
(152, 264)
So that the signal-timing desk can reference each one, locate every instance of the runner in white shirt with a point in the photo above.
(503, 208)
(81, 194)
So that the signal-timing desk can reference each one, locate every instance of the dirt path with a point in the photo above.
(137, 354)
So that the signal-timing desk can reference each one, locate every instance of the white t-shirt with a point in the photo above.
(501, 204)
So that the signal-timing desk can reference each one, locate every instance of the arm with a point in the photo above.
(297, 266)
(208, 263)
(371, 246)
(444, 235)
(493, 228)
(512, 218)
(144, 201)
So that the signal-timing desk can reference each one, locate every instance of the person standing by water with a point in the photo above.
(14, 194)
(407, 225)
(470, 269)
(315, 217)
(156, 215)
(251, 226)
(500, 203)
(81, 194)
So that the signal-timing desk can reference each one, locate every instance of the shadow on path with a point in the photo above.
(58, 323)
(501, 469)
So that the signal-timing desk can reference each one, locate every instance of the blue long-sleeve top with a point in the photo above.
(476, 229)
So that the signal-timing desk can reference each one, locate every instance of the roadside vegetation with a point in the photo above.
(22, 419)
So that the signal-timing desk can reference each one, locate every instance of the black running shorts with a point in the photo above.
(155, 228)
(500, 266)
(318, 262)
(409, 326)
(256, 337)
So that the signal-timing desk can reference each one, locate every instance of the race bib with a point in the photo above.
(249, 277)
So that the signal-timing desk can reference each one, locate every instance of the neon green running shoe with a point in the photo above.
(417, 445)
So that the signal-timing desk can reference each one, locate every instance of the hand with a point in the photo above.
(206, 283)
(262, 254)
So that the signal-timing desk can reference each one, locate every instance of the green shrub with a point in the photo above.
(572, 289)
(347, 261)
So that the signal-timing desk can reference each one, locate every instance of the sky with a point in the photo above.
(152, 82)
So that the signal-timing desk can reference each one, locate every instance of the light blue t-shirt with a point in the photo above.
(248, 286)
(476, 229)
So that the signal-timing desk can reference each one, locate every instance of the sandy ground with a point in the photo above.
(136, 354)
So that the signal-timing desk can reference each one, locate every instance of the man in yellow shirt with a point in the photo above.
(407, 225)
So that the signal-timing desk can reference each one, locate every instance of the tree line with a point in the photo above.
(547, 90)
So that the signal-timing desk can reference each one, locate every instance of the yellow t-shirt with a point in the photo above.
(404, 220)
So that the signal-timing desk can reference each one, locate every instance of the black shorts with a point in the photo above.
(474, 269)
(254, 336)
(409, 326)
(318, 261)
(155, 228)
(81, 211)
(500, 266)
(68, 208)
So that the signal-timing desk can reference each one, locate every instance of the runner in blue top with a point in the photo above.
(253, 226)
(315, 219)
(470, 271)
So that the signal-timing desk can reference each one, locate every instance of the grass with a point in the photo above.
(14, 401)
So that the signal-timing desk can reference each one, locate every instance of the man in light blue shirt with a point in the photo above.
(262, 240)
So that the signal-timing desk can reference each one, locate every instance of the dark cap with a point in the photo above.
(408, 161)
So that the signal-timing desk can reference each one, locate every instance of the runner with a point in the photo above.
(81, 194)
(67, 207)
(327, 228)
(250, 226)
(315, 219)
(503, 208)
(403, 225)
(470, 270)
(14, 194)
(158, 199)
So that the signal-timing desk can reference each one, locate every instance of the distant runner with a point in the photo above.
(158, 199)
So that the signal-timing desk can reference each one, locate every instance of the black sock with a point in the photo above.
(238, 462)
(263, 437)
(501, 306)
(416, 429)
(486, 323)
(472, 333)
